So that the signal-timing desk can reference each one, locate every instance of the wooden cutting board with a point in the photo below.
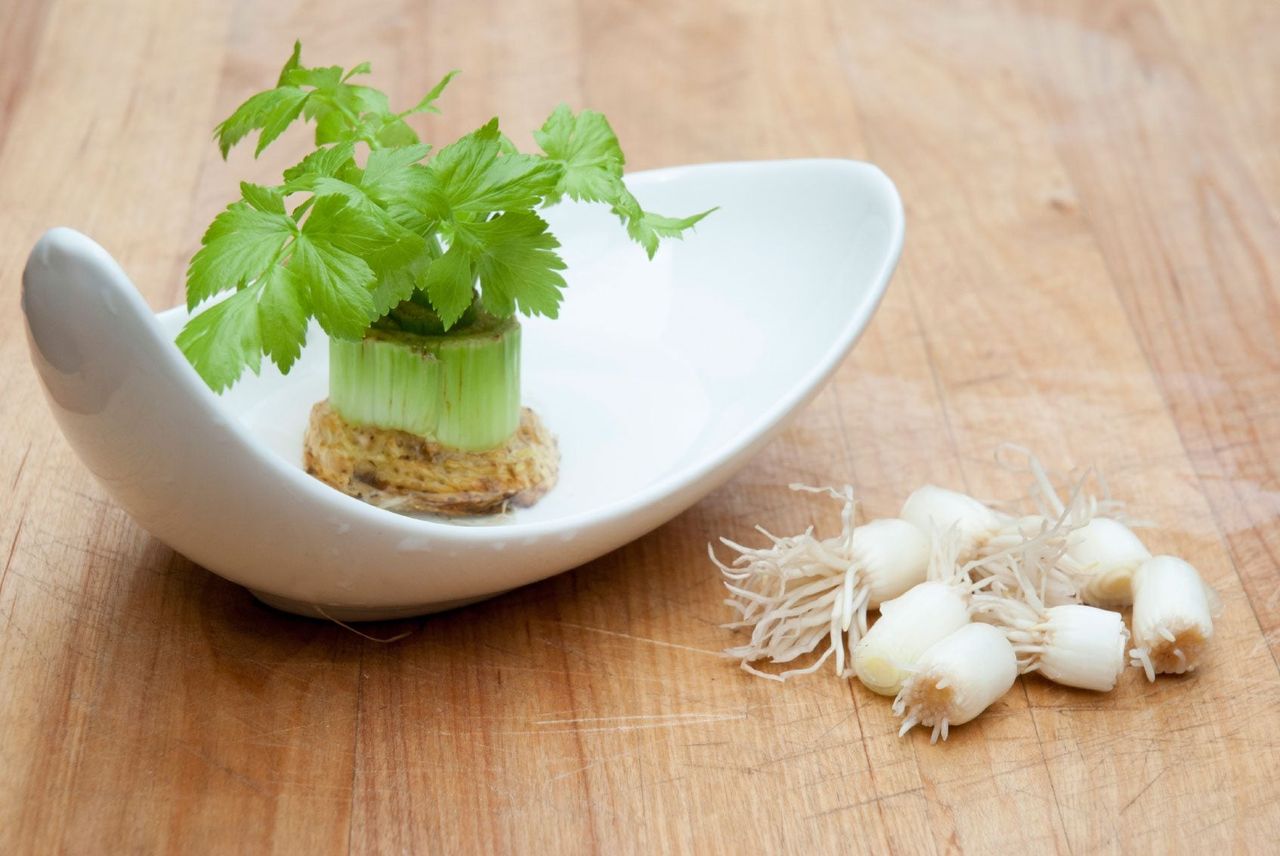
(1093, 203)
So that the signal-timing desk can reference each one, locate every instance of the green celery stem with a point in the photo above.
(460, 389)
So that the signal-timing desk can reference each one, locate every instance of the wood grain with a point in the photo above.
(1093, 198)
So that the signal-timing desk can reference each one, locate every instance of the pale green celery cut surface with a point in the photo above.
(459, 389)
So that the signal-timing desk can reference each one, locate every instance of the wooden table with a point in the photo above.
(1093, 198)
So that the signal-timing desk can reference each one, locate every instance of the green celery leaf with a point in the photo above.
(224, 339)
(350, 112)
(473, 177)
(294, 60)
(587, 148)
(395, 132)
(338, 284)
(427, 104)
(650, 228)
(449, 283)
(332, 126)
(270, 316)
(280, 116)
(269, 200)
(378, 238)
(239, 245)
(254, 114)
(365, 99)
(399, 248)
(324, 185)
(327, 257)
(300, 211)
(362, 68)
(328, 171)
(342, 111)
(366, 238)
(390, 173)
(325, 78)
(398, 264)
(515, 261)
(356, 224)
(397, 284)
(647, 228)
(282, 316)
(351, 97)
(327, 161)
(413, 214)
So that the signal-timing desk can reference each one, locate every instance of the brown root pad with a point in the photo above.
(403, 472)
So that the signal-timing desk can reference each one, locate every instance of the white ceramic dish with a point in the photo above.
(661, 379)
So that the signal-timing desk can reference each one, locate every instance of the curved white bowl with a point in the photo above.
(661, 378)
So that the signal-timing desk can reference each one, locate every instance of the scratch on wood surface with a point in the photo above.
(637, 722)
(918, 790)
(1203, 829)
(742, 769)
(12, 548)
(1049, 800)
(97, 500)
(848, 716)
(598, 762)
(573, 673)
(644, 716)
(844, 774)
(821, 714)
(223, 768)
(22, 463)
(658, 721)
(660, 643)
(1145, 788)
(807, 751)
(1048, 772)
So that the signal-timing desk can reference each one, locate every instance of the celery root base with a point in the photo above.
(403, 472)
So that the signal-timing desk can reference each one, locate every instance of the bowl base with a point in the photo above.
(361, 613)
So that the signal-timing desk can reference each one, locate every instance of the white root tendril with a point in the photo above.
(1142, 658)
(1102, 551)
(800, 593)
(1044, 497)
(793, 594)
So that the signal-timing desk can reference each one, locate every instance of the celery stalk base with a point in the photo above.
(458, 389)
